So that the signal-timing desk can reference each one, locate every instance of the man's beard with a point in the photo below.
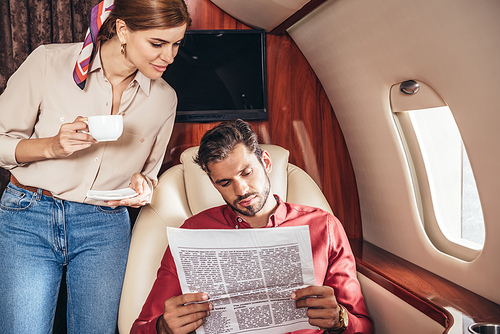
(251, 210)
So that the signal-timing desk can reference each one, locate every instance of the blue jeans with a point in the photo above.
(39, 235)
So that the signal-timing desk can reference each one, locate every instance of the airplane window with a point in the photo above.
(452, 184)
(445, 189)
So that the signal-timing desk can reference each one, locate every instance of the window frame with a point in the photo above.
(458, 248)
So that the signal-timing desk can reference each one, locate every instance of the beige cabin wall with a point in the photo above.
(359, 49)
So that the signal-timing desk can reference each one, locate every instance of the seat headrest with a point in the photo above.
(202, 195)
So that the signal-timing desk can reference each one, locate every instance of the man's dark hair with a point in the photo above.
(217, 143)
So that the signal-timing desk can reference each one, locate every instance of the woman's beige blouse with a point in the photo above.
(41, 95)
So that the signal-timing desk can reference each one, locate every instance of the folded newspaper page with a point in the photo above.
(248, 275)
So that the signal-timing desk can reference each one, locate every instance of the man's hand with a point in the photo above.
(183, 314)
(322, 307)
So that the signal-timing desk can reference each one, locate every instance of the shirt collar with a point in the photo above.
(143, 81)
(276, 218)
(279, 215)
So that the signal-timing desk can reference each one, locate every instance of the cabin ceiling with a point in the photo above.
(278, 15)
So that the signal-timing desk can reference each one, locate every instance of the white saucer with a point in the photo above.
(111, 195)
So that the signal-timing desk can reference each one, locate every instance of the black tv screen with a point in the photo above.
(220, 75)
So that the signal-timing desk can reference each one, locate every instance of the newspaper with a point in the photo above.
(249, 275)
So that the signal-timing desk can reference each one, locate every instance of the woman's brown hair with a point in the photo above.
(144, 15)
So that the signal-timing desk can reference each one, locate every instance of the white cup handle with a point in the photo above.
(87, 132)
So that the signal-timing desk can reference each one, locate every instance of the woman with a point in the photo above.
(47, 222)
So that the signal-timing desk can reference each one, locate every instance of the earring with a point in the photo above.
(122, 49)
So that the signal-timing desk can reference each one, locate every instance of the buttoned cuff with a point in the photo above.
(8, 153)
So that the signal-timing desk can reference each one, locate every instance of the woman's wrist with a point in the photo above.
(30, 150)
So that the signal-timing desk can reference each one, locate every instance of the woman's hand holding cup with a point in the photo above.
(83, 132)
(72, 137)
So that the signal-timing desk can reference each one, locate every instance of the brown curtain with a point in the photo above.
(26, 24)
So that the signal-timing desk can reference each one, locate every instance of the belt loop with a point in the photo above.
(39, 193)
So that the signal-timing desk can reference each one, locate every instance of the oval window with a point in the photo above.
(444, 184)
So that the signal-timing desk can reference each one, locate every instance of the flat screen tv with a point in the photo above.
(220, 75)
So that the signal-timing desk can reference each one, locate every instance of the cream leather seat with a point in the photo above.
(185, 190)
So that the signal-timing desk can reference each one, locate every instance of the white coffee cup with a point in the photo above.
(105, 127)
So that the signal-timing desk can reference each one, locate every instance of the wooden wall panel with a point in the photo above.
(424, 290)
(300, 118)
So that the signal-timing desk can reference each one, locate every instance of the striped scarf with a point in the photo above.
(97, 17)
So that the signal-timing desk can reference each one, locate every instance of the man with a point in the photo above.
(239, 168)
